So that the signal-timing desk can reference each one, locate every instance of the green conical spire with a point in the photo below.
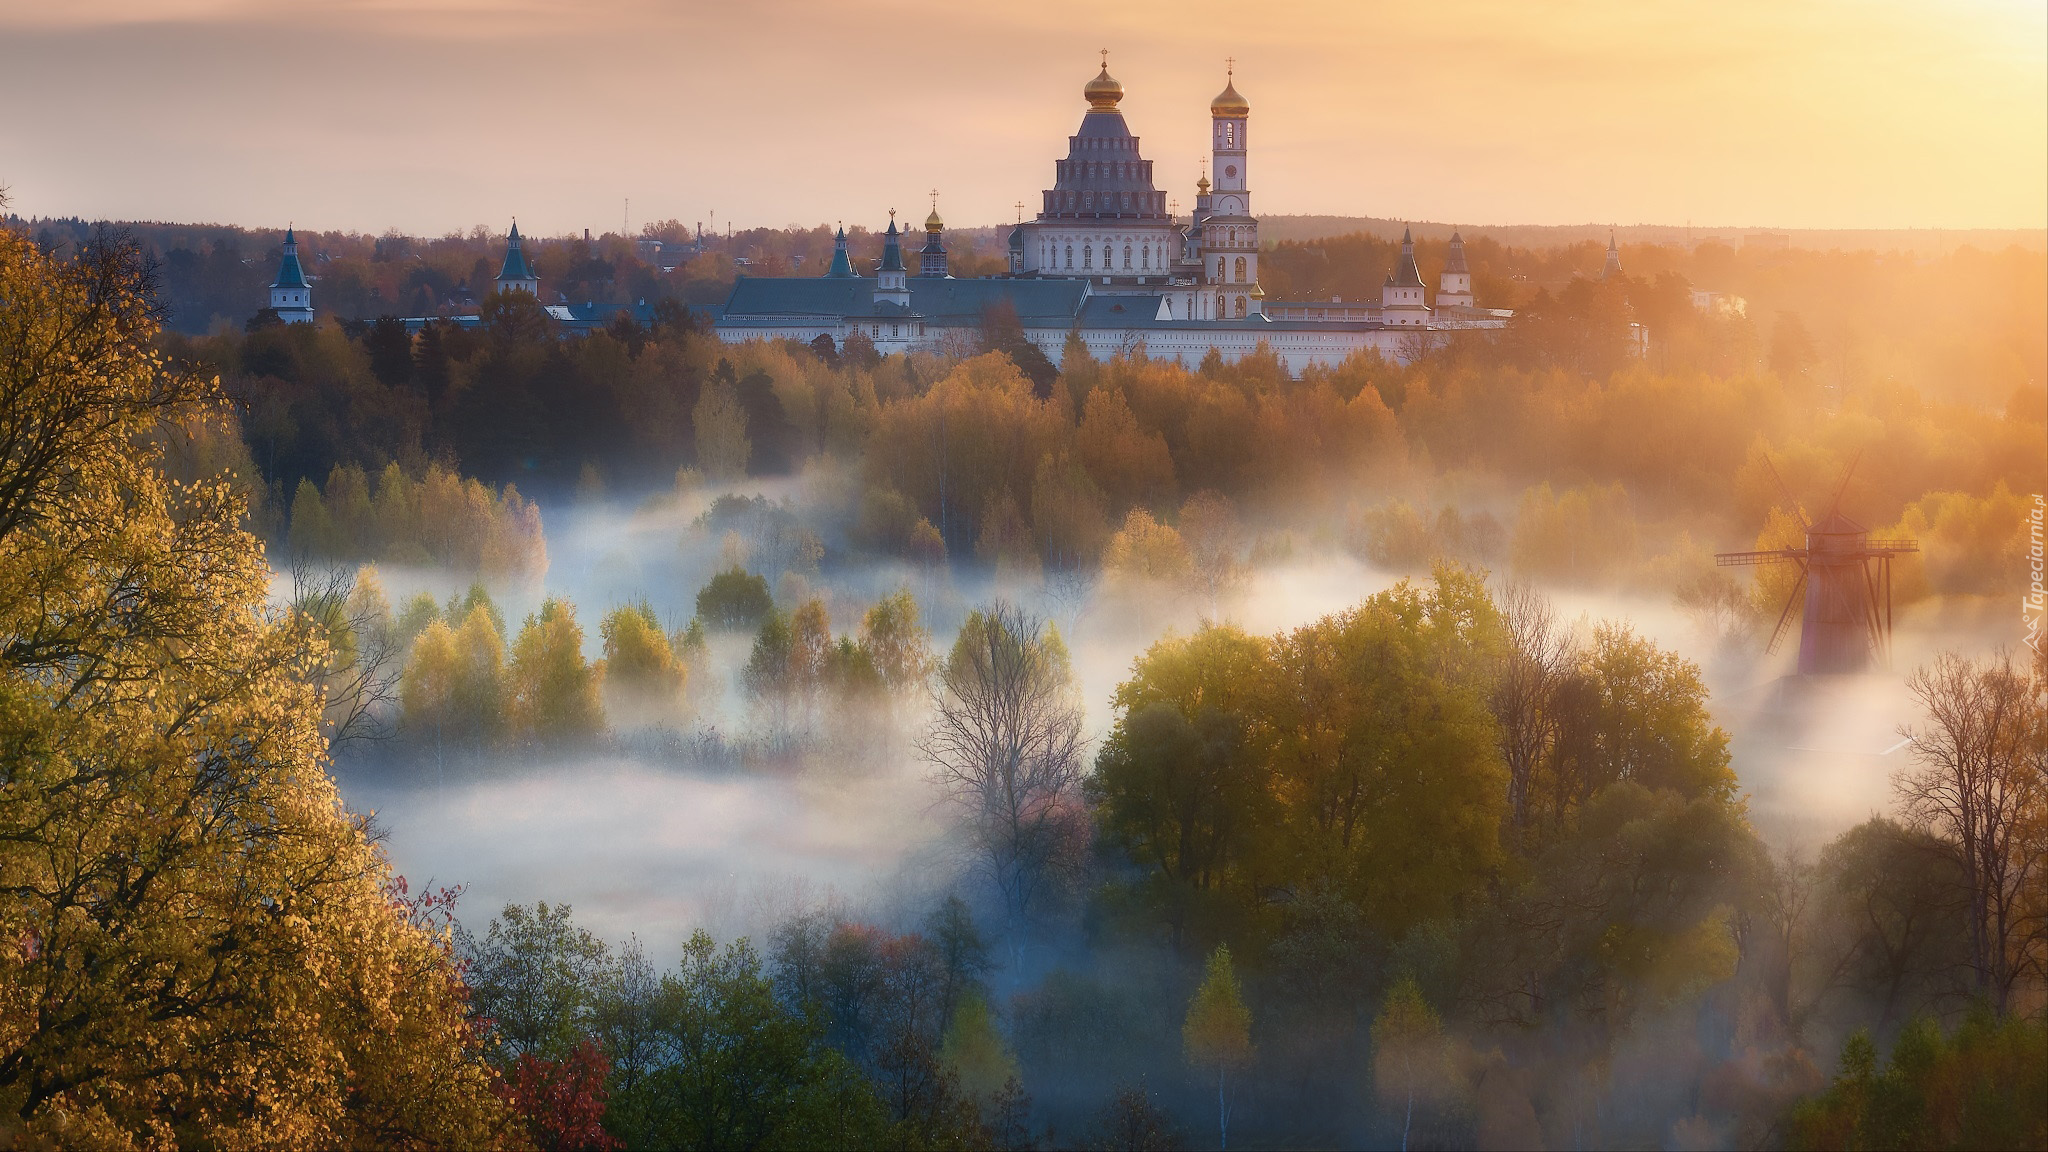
(892, 248)
(289, 273)
(842, 266)
(515, 267)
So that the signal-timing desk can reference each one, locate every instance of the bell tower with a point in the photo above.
(1230, 233)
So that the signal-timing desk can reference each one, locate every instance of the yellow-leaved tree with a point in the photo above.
(198, 945)
(1218, 1032)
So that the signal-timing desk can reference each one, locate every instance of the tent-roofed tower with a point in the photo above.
(842, 264)
(1401, 301)
(291, 297)
(1454, 288)
(517, 275)
(1612, 267)
(892, 280)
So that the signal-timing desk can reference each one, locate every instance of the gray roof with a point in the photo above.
(1406, 274)
(761, 297)
(1457, 261)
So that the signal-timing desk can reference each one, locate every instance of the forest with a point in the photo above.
(1436, 860)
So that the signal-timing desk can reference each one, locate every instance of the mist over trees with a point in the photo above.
(1439, 868)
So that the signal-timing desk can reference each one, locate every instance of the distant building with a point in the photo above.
(1612, 267)
(1104, 260)
(1725, 304)
(291, 297)
(517, 275)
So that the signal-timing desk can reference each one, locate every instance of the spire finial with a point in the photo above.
(1230, 67)
(935, 199)
(1105, 59)
(1020, 211)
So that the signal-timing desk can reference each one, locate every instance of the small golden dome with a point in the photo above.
(1229, 103)
(1202, 186)
(932, 223)
(1103, 92)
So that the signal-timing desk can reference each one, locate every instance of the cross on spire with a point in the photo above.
(935, 199)
(1105, 59)
(1020, 211)
(1229, 67)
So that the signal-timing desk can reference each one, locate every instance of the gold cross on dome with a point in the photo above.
(935, 199)
(1230, 66)
(1105, 59)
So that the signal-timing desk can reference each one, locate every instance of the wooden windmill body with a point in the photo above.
(1846, 577)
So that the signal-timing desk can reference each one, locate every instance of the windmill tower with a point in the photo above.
(1847, 581)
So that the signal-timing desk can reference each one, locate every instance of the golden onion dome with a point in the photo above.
(1202, 186)
(1229, 103)
(1103, 92)
(932, 223)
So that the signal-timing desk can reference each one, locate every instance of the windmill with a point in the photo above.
(1847, 579)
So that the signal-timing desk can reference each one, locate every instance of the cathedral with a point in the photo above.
(1106, 260)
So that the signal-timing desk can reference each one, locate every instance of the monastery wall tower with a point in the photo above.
(290, 296)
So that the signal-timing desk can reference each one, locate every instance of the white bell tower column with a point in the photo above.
(1230, 234)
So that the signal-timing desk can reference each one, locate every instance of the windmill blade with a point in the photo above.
(1835, 505)
(1786, 492)
(1778, 632)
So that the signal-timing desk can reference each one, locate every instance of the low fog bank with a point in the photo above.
(657, 837)
(642, 847)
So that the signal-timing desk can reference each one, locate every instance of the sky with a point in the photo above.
(436, 116)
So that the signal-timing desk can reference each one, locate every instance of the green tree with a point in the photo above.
(1180, 783)
(1217, 1034)
(744, 1071)
(1983, 1087)
(533, 976)
(734, 599)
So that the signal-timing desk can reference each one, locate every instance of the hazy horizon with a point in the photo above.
(370, 116)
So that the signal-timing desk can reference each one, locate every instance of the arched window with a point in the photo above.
(1240, 306)
(1087, 255)
(1127, 257)
(1233, 237)
(1219, 269)
(1240, 269)
(1070, 255)
(1145, 256)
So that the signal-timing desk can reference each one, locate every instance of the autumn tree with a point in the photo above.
(1005, 745)
(203, 945)
(896, 642)
(1980, 784)
(554, 691)
(1410, 1058)
(1217, 1034)
(642, 675)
